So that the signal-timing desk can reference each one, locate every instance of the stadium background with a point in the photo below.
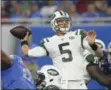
(87, 15)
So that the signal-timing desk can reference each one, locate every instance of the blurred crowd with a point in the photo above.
(45, 8)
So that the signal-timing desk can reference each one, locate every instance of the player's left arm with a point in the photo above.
(6, 61)
(88, 42)
(91, 36)
(94, 70)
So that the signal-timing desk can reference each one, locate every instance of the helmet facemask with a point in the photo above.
(62, 25)
(61, 22)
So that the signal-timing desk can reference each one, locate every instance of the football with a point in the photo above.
(20, 31)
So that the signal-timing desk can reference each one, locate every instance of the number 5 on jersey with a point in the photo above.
(65, 51)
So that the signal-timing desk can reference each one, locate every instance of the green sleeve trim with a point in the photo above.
(83, 35)
(92, 59)
(42, 45)
(76, 32)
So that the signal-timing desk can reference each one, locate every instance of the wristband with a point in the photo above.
(24, 43)
(94, 46)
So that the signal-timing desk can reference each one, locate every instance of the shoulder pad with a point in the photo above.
(80, 31)
(45, 40)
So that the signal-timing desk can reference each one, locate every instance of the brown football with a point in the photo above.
(19, 31)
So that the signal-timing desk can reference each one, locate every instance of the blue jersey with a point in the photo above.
(17, 76)
(104, 63)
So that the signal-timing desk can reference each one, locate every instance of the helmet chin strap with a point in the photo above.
(64, 30)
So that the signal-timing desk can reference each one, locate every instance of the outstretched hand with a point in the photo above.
(91, 36)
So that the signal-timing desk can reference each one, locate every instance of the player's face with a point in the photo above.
(62, 23)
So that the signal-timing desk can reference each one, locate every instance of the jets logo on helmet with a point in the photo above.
(52, 72)
(60, 15)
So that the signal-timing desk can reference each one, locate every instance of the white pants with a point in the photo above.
(73, 84)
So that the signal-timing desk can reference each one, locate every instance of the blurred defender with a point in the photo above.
(14, 74)
(66, 50)
(104, 60)
(49, 78)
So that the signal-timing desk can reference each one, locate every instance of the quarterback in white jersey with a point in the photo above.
(65, 48)
(49, 77)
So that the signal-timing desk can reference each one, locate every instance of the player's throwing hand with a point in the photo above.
(26, 38)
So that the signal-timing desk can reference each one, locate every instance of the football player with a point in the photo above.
(101, 44)
(66, 49)
(14, 75)
(93, 70)
(104, 60)
(49, 77)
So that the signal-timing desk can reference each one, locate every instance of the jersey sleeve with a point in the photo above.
(83, 34)
(37, 52)
(84, 41)
(90, 58)
(43, 44)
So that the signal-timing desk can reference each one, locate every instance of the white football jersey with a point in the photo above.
(52, 75)
(67, 54)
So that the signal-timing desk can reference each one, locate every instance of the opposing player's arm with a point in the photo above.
(98, 75)
(88, 42)
(94, 70)
(5, 61)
